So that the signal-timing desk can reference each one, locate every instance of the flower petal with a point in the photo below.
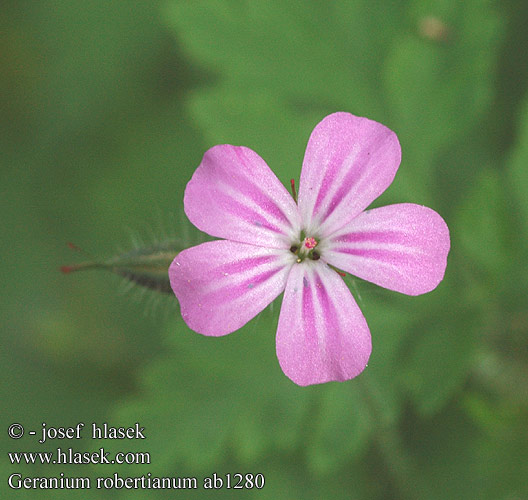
(349, 162)
(233, 194)
(322, 334)
(401, 247)
(222, 284)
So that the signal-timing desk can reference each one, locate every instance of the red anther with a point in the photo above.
(341, 273)
(66, 269)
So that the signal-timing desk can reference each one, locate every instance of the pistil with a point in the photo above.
(305, 249)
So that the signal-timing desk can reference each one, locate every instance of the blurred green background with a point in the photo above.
(107, 109)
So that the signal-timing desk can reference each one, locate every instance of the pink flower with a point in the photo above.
(273, 245)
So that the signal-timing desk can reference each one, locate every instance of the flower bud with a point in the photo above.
(146, 266)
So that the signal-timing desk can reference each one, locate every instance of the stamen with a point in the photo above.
(294, 192)
(341, 273)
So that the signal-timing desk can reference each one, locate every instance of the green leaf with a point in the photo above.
(439, 88)
(483, 228)
(324, 52)
(457, 460)
(440, 357)
(342, 427)
(518, 172)
(390, 317)
(256, 119)
(219, 394)
(281, 67)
